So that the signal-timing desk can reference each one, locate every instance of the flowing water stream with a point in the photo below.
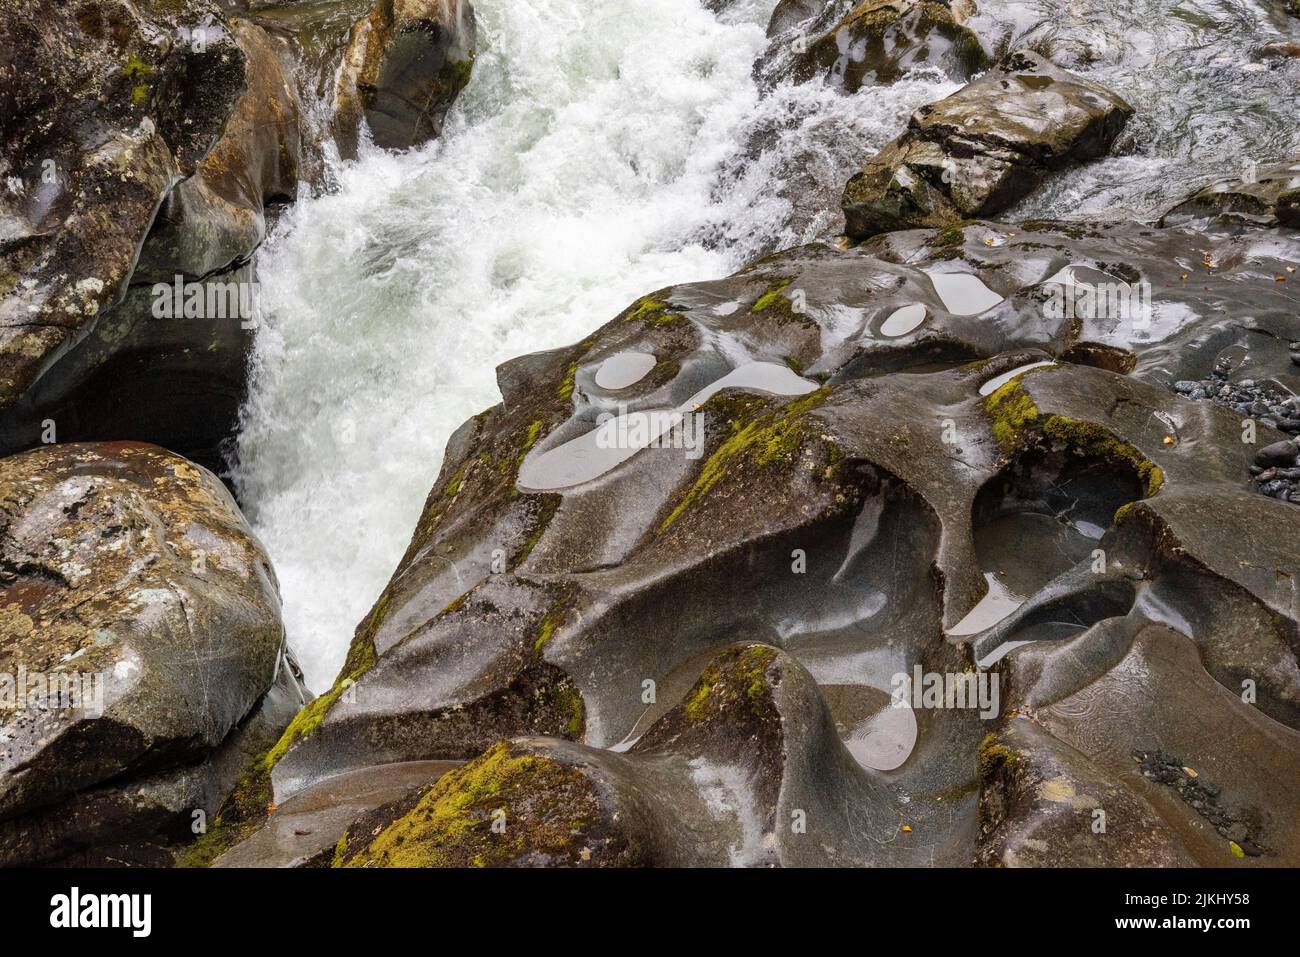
(603, 149)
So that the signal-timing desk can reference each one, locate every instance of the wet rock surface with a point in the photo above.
(878, 41)
(939, 549)
(986, 146)
(141, 647)
(111, 105)
(177, 375)
(711, 782)
(1006, 492)
(404, 64)
(128, 295)
(1269, 196)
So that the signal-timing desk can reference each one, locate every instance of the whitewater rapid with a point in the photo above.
(601, 151)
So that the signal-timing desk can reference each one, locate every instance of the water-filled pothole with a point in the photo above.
(1042, 515)
(623, 370)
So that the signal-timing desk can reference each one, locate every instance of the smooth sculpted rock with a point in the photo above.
(711, 783)
(1042, 805)
(404, 65)
(985, 410)
(142, 656)
(980, 150)
(879, 41)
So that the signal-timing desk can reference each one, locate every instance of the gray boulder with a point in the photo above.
(140, 645)
(983, 148)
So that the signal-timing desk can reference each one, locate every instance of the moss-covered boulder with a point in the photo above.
(714, 781)
(140, 633)
(976, 152)
(404, 65)
(509, 807)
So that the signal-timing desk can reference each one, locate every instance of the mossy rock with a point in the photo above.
(507, 808)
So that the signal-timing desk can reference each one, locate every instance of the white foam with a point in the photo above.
(576, 163)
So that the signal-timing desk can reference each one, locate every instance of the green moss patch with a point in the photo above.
(954, 235)
(654, 312)
(767, 440)
(993, 756)
(736, 674)
(1013, 413)
(1017, 422)
(542, 811)
(773, 295)
(1094, 440)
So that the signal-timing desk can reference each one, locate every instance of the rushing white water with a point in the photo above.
(580, 169)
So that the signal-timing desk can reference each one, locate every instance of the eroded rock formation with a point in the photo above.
(208, 137)
(929, 451)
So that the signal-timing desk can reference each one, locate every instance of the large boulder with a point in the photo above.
(980, 150)
(404, 65)
(142, 655)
